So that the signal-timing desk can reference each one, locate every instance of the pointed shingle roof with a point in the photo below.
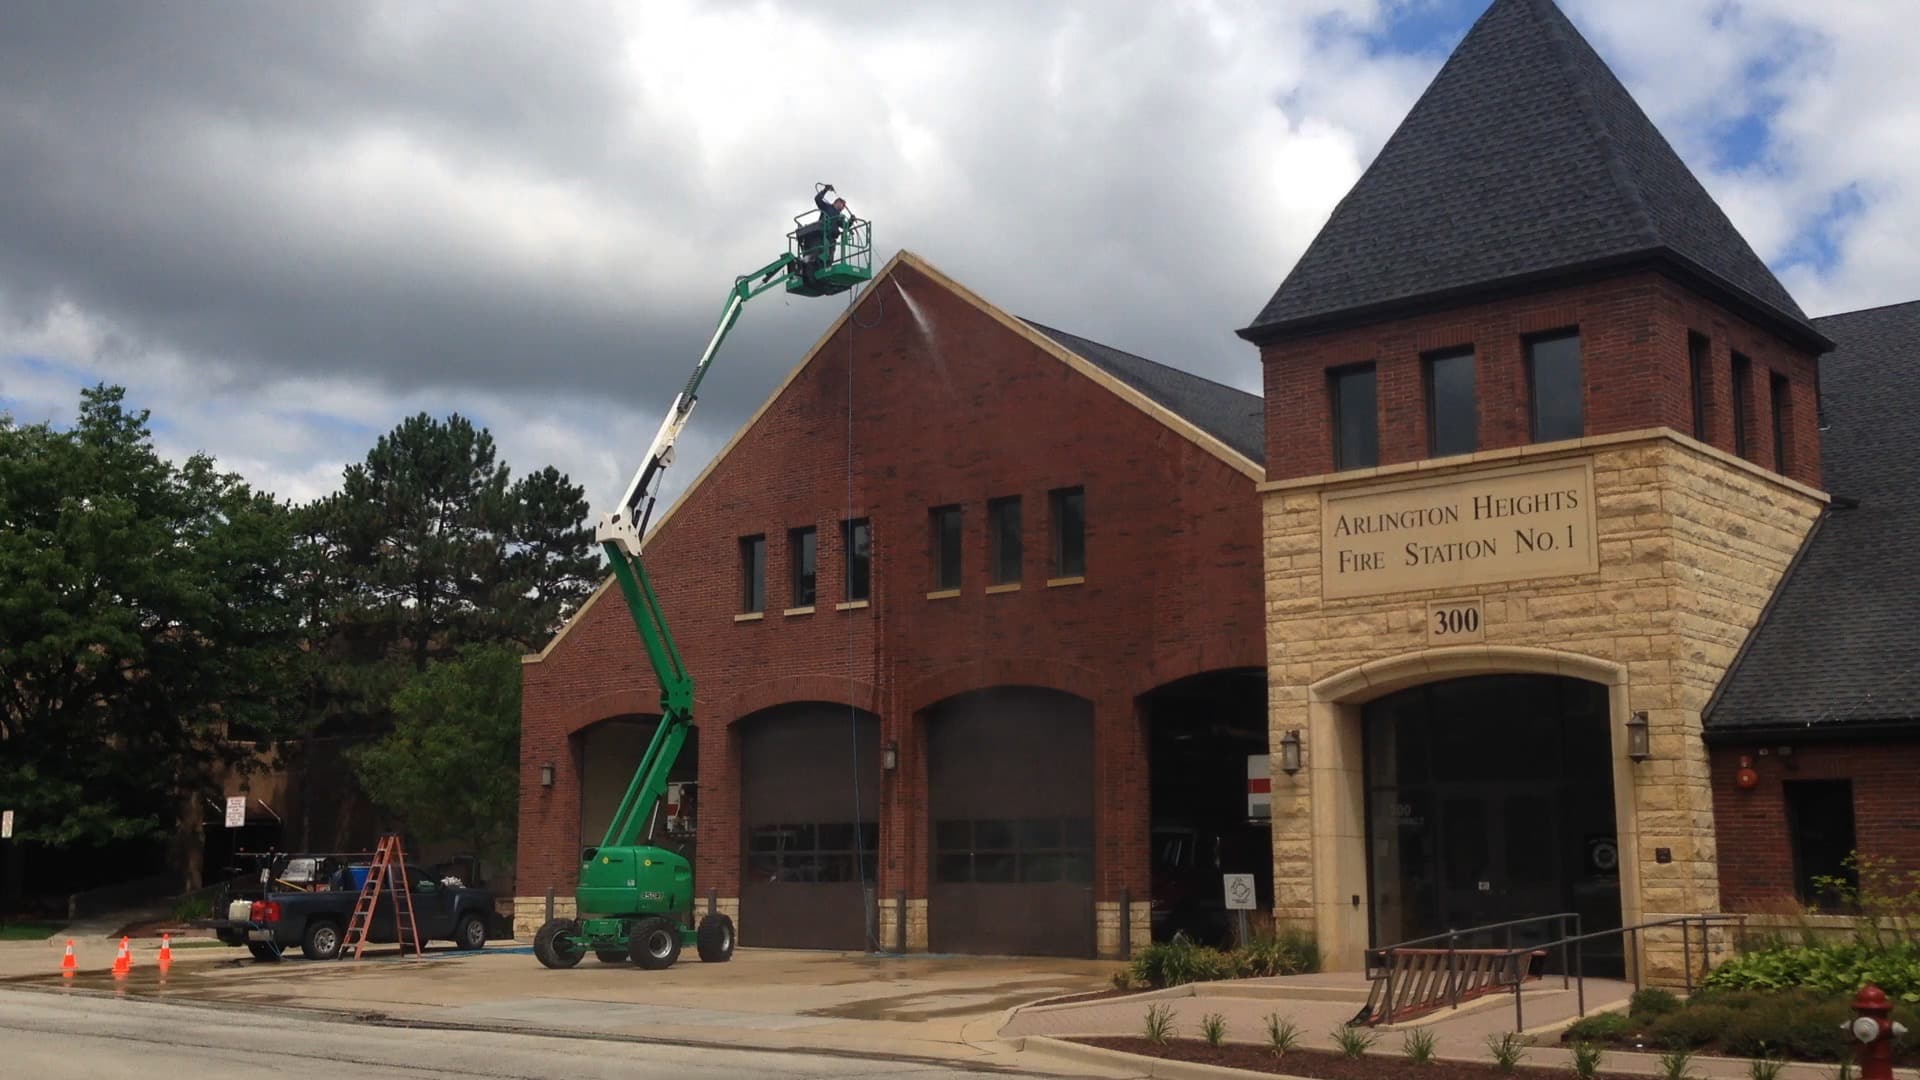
(1524, 162)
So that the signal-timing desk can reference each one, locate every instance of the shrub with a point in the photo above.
(1418, 1046)
(1652, 1004)
(1586, 1060)
(1213, 1027)
(1795, 1024)
(1289, 952)
(1282, 1035)
(1507, 1049)
(1765, 1069)
(1600, 1027)
(192, 907)
(1692, 1027)
(1830, 969)
(1674, 1065)
(1354, 1042)
(1177, 962)
(1159, 1024)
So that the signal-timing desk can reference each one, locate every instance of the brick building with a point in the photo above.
(1565, 566)
(958, 575)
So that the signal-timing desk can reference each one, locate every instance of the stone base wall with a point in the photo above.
(1691, 543)
(916, 926)
(530, 912)
(1106, 927)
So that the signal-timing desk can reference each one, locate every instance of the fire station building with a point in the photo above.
(1564, 565)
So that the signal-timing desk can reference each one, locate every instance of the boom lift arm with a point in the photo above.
(635, 898)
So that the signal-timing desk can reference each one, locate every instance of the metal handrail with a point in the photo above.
(1570, 946)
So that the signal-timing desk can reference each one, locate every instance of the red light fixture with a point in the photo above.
(1746, 777)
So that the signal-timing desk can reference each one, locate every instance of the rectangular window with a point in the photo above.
(856, 539)
(1069, 527)
(753, 573)
(943, 531)
(1742, 397)
(803, 551)
(813, 853)
(1003, 521)
(1453, 416)
(1820, 829)
(1782, 398)
(1555, 386)
(1356, 427)
(1699, 352)
(1029, 850)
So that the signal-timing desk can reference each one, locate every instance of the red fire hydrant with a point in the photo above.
(1873, 1028)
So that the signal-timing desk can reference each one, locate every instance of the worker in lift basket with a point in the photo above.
(833, 218)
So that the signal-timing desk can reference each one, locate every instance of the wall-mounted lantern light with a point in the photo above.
(890, 756)
(546, 775)
(1290, 752)
(1639, 742)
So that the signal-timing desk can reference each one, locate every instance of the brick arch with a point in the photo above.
(1171, 666)
(1012, 671)
(1377, 678)
(606, 706)
(791, 688)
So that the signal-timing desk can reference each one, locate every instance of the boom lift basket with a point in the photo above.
(846, 261)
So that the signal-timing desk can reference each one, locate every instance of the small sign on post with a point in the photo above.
(6, 824)
(236, 811)
(1240, 898)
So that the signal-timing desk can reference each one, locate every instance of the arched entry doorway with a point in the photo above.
(606, 755)
(809, 810)
(1491, 798)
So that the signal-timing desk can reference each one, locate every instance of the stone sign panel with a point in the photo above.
(1511, 524)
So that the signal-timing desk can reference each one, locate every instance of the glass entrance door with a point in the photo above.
(1487, 798)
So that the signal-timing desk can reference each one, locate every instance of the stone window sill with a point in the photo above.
(1055, 583)
(1011, 587)
(750, 616)
(808, 610)
(943, 594)
(851, 605)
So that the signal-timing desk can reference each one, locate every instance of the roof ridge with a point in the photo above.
(1037, 325)
(1865, 310)
(1554, 22)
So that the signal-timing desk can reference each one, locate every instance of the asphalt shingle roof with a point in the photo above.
(1525, 159)
(1235, 417)
(1840, 645)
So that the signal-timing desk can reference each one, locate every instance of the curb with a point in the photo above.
(1157, 1068)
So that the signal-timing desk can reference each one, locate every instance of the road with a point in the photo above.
(60, 1036)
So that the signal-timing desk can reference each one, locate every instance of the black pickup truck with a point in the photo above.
(316, 921)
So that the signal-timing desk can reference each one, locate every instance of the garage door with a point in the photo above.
(1011, 800)
(808, 850)
(609, 752)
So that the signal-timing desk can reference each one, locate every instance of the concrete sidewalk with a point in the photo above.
(921, 1007)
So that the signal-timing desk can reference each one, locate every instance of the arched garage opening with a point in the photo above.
(607, 753)
(809, 807)
(1207, 781)
(1010, 802)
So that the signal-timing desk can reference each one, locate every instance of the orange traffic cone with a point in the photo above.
(68, 965)
(166, 949)
(123, 963)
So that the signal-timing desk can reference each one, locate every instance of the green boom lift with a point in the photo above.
(636, 899)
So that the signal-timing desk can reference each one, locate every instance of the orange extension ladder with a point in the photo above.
(388, 858)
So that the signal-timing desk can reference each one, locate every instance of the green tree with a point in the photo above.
(450, 768)
(143, 613)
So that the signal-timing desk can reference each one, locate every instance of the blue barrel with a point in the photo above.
(359, 876)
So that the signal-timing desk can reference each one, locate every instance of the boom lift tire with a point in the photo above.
(656, 943)
(611, 956)
(715, 939)
(553, 944)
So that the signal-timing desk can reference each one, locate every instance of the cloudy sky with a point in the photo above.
(285, 226)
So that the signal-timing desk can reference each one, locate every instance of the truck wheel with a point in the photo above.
(555, 946)
(715, 939)
(611, 956)
(321, 941)
(656, 943)
(264, 951)
(471, 933)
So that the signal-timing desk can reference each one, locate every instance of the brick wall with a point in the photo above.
(1634, 356)
(959, 409)
(1756, 853)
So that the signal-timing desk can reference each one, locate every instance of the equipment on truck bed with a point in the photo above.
(635, 900)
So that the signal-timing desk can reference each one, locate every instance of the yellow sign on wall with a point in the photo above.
(1529, 521)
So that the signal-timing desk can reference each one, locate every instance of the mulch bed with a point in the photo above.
(1325, 1064)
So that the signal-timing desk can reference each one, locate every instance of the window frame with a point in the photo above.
(940, 557)
(997, 539)
(753, 574)
(1742, 405)
(849, 550)
(1428, 363)
(1057, 501)
(1531, 344)
(801, 574)
(1342, 454)
(1699, 368)
(1780, 401)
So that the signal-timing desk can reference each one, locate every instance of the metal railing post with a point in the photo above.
(713, 900)
(1126, 925)
(1686, 954)
(1453, 968)
(1519, 1022)
(900, 921)
(1579, 969)
(549, 904)
(1566, 971)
